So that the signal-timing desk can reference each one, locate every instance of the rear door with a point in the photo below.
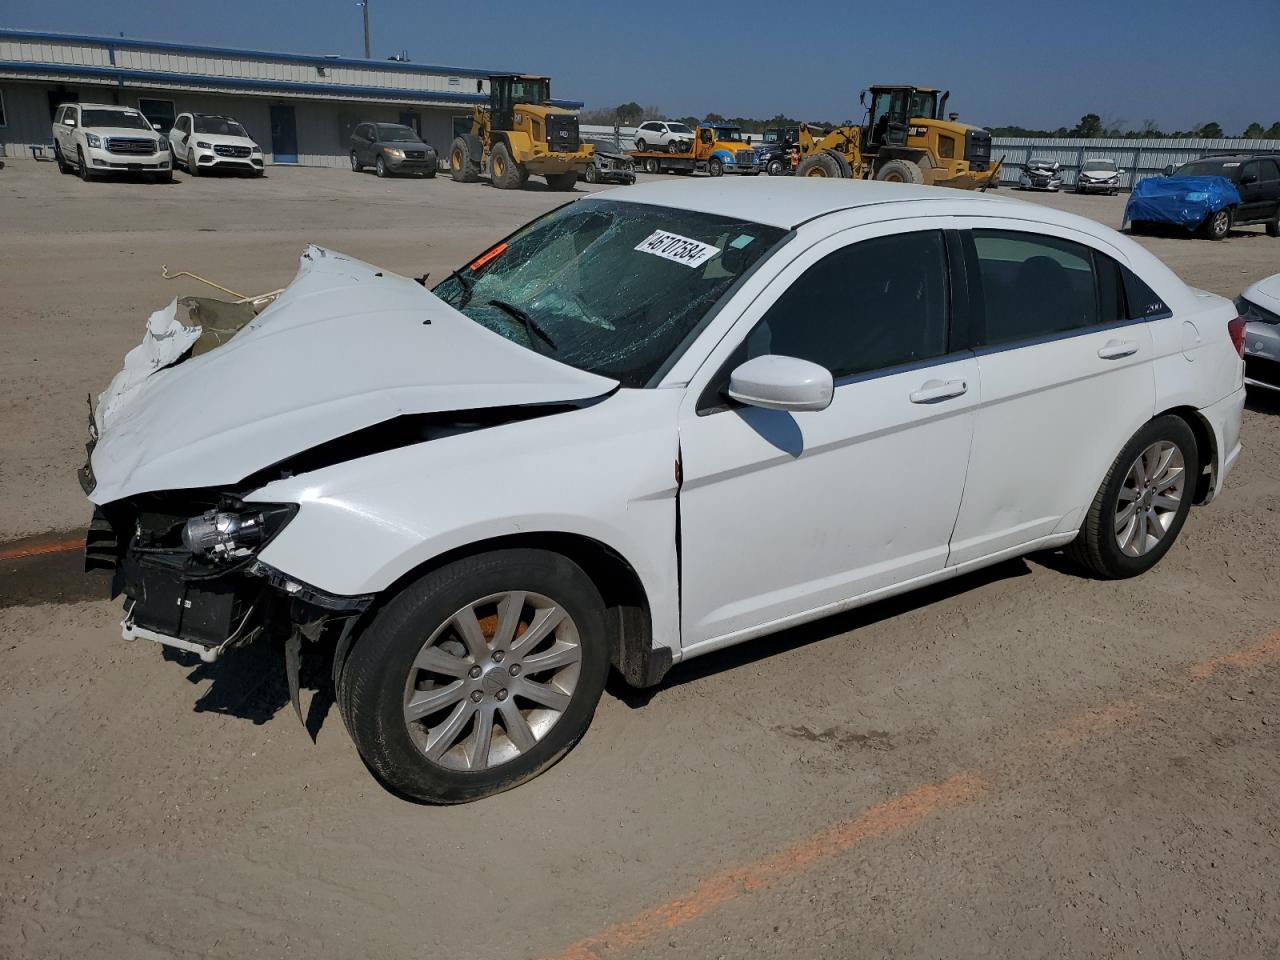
(1066, 380)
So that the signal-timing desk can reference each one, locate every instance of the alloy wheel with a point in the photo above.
(492, 681)
(1149, 498)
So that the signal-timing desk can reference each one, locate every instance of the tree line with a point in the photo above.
(1091, 125)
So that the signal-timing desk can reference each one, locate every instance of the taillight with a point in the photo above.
(1236, 330)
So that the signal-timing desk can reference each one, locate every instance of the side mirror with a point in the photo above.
(1168, 170)
(1248, 178)
(862, 98)
(782, 383)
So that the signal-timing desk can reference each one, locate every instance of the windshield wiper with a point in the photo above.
(530, 325)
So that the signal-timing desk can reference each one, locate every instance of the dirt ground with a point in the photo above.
(1021, 763)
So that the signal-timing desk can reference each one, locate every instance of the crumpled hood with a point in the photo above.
(345, 346)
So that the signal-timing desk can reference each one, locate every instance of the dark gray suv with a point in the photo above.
(391, 148)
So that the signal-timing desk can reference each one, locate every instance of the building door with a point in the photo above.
(413, 120)
(58, 97)
(284, 134)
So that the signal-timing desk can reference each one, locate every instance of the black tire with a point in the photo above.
(193, 168)
(356, 165)
(505, 172)
(380, 168)
(63, 166)
(1095, 547)
(651, 165)
(715, 167)
(675, 146)
(1273, 225)
(593, 175)
(1138, 227)
(819, 165)
(774, 168)
(1217, 225)
(464, 159)
(641, 144)
(373, 680)
(83, 166)
(562, 182)
(431, 174)
(900, 171)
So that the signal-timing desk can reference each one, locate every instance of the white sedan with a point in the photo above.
(648, 425)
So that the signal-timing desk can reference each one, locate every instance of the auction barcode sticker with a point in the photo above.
(672, 246)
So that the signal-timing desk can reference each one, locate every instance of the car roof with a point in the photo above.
(1226, 158)
(788, 202)
(104, 106)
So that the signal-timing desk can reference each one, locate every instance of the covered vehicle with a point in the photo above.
(1260, 307)
(1041, 174)
(1100, 175)
(1201, 203)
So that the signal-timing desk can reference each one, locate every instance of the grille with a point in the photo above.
(977, 148)
(1263, 370)
(747, 157)
(562, 133)
(132, 146)
(415, 154)
(227, 150)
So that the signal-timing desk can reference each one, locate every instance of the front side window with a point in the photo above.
(1033, 286)
(679, 128)
(122, 119)
(617, 289)
(871, 305)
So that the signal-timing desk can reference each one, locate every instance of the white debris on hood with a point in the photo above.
(165, 341)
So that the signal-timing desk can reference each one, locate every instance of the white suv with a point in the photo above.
(664, 135)
(204, 141)
(96, 139)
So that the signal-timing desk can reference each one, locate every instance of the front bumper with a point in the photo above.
(429, 164)
(1097, 186)
(1039, 183)
(207, 160)
(104, 161)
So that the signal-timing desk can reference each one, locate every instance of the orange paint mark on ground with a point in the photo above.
(40, 549)
(895, 815)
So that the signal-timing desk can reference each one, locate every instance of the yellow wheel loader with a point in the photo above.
(519, 133)
(907, 139)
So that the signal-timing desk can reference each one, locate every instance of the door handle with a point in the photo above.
(933, 391)
(1115, 349)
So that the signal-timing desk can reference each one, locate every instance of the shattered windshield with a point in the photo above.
(222, 126)
(608, 287)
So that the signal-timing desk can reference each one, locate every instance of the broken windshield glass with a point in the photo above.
(615, 287)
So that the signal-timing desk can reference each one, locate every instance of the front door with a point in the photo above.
(787, 515)
(1067, 379)
(284, 134)
(1254, 191)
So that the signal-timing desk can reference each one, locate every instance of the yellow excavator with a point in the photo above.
(520, 133)
(908, 139)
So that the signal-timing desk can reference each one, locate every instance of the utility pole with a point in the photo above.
(364, 6)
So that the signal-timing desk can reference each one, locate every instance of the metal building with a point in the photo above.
(301, 108)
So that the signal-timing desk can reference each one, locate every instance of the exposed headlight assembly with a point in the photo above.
(225, 535)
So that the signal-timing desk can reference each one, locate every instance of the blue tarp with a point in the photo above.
(1185, 201)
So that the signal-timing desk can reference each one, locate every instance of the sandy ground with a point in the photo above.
(1022, 763)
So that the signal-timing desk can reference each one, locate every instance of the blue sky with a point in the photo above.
(1037, 63)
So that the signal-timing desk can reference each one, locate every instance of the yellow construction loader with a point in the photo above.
(907, 139)
(519, 133)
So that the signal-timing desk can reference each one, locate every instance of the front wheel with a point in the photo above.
(380, 167)
(593, 175)
(63, 166)
(1143, 502)
(85, 174)
(715, 167)
(1218, 225)
(477, 677)
(641, 144)
(774, 168)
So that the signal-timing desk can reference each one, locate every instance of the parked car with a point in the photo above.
(392, 148)
(203, 142)
(645, 426)
(669, 135)
(1099, 176)
(1211, 195)
(1041, 175)
(610, 166)
(98, 139)
(1260, 307)
(777, 151)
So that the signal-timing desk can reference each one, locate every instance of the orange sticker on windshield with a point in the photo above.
(485, 257)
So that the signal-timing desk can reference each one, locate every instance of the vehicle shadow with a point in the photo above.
(753, 651)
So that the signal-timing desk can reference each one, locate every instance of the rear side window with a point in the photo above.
(1033, 286)
(1270, 169)
(1142, 303)
(871, 305)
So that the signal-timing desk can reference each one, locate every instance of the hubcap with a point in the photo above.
(492, 681)
(1149, 498)
(1220, 221)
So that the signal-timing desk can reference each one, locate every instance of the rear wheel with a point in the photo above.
(900, 171)
(505, 172)
(1217, 225)
(477, 677)
(356, 165)
(561, 182)
(1143, 502)
(651, 165)
(819, 165)
(464, 164)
